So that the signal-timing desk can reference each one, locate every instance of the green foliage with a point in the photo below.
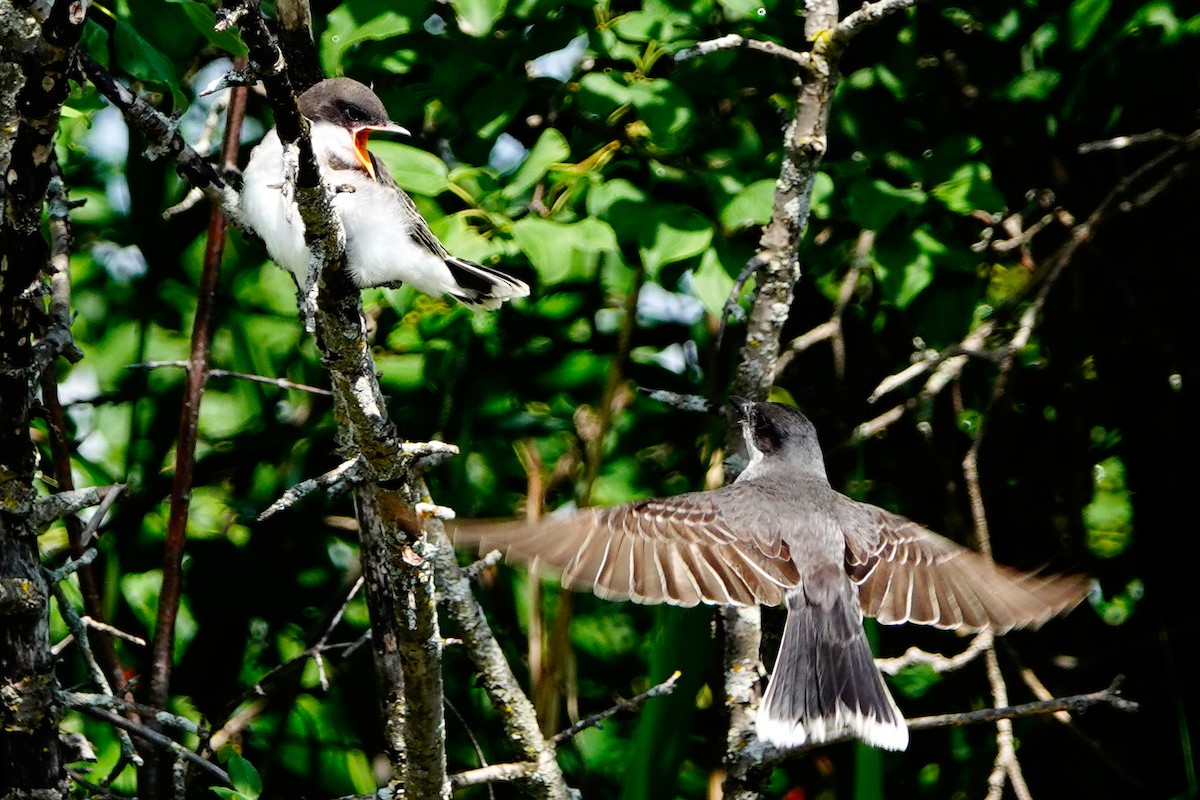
(630, 171)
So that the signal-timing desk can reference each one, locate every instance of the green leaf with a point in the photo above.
(903, 270)
(204, 20)
(1085, 18)
(621, 204)
(140, 590)
(244, 776)
(550, 148)
(600, 94)
(493, 105)
(228, 794)
(414, 169)
(672, 233)
(355, 21)
(969, 189)
(562, 251)
(822, 196)
(140, 59)
(476, 17)
(751, 206)
(711, 283)
(875, 203)
(743, 9)
(1036, 84)
(665, 108)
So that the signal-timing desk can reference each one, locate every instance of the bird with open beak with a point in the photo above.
(781, 534)
(387, 240)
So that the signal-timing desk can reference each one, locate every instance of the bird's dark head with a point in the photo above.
(350, 105)
(778, 433)
(344, 102)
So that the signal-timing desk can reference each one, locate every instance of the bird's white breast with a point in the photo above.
(379, 247)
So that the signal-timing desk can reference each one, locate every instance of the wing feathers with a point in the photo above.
(681, 551)
(913, 575)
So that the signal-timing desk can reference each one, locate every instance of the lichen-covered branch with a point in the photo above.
(37, 43)
(517, 713)
(163, 135)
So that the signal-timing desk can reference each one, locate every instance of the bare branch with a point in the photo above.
(156, 738)
(734, 41)
(632, 704)
(939, 663)
(282, 383)
(55, 506)
(516, 711)
(346, 471)
(164, 138)
(870, 14)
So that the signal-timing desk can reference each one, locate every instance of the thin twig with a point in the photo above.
(632, 704)
(346, 471)
(282, 383)
(156, 738)
(735, 41)
(935, 661)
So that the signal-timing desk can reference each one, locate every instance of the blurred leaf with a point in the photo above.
(712, 283)
(355, 21)
(244, 776)
(1085, 18)
(822, 196)
(875, 203)
(604, 636)
(204, 20)
(550, 148)
(414, 169)
(903, 270)
(560, 251)
(142, 60)
(476, 17)
(752, 206)
(1034, 85)
(744, 9)
(672, 233)
(140, 590)
(969, 189)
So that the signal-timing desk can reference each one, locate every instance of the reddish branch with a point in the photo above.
(185, 448)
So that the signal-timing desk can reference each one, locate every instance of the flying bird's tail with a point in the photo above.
(483, 287)
(825, 683)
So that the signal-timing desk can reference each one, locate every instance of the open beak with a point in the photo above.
(360, 143)
(741, 405)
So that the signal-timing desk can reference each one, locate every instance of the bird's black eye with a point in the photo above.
(353, 113)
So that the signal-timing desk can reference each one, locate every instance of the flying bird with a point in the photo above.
(781, 534)
(387, 240)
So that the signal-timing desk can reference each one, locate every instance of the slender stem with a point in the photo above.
(185, 447)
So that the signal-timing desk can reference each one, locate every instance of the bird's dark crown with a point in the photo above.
(344, 102)
(776, 429)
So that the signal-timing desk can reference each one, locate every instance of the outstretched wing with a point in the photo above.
(704, 547)
(907, 573)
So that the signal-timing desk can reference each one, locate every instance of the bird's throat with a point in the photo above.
(360, 150)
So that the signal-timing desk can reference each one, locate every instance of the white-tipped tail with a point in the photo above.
(825, 684)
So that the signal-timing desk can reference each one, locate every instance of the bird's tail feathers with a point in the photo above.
(481, 286)
(825, 683)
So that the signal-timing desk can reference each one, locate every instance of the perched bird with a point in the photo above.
(387, 241)
(781, 533)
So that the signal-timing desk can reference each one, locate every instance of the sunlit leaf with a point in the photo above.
(355, 21)
(1085, 17)
(670, 234)
(414, 169)
(476, 17)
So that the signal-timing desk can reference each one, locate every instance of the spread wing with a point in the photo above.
(704, 547)
(909, 574)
